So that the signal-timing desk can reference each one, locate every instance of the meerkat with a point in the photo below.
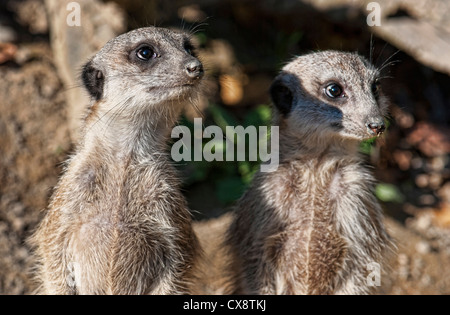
(117, 222)
(314, 226)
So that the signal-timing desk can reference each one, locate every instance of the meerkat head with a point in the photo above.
(330, 95)
(148, 66)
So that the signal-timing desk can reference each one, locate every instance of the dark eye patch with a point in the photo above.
(189, 48)
(376, 88)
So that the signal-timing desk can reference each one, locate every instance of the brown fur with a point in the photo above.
(117, 222)
(213, 277)
(314, 225)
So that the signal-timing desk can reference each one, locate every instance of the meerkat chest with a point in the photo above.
(324, 215)
(331, 193)
(111, 195)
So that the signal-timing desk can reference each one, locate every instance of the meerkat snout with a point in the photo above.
(194, 69)
(376, 126)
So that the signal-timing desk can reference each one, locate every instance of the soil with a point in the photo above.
(35, 141)
(33, 144)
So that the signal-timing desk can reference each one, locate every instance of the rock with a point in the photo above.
(32, 124)
(403, 159)
(438, 163)
(32, 14)
(444, 193)
(192, 13)
(423, 247)
(422, 180)
(7, 34)
(232, 89)
(416, 267)
(426, 43)
(404, 119)
(74, 45)
(442, 217)
(7, 52)
(433, 225)
(431, 140)
(35, 51)
(420, 28)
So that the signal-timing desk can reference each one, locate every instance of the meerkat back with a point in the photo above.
(117, 222)
(314, 226)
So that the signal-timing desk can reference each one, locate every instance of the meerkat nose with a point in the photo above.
(194, 69)
(377, 128)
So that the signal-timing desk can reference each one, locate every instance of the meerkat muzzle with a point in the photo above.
(376, 128)
(194, 70)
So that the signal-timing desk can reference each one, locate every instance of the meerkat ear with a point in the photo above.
(282, 97)
(93, 80)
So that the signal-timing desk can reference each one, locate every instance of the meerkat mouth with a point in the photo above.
(376, 131)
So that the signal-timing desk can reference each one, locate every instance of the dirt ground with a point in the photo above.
(35, 141)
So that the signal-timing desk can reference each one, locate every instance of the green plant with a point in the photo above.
(230, 179)
(389, 193)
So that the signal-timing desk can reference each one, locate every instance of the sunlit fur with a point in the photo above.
(117, 222)
(314, 226)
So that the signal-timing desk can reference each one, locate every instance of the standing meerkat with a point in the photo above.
(117, 222)
(314, 226)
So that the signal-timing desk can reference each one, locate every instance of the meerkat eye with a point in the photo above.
(146, 53)
(334, 90)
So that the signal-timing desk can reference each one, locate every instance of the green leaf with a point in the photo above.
(221, 117)
(260, 116)
(230, 190)
(389, 193)
(367, 146)
(202, 38)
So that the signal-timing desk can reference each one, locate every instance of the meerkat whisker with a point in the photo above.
(195, 29)
(388, 62)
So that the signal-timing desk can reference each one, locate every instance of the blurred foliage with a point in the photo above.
(230, 179)
(368, 146)
(389, 193)
(285, 44)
